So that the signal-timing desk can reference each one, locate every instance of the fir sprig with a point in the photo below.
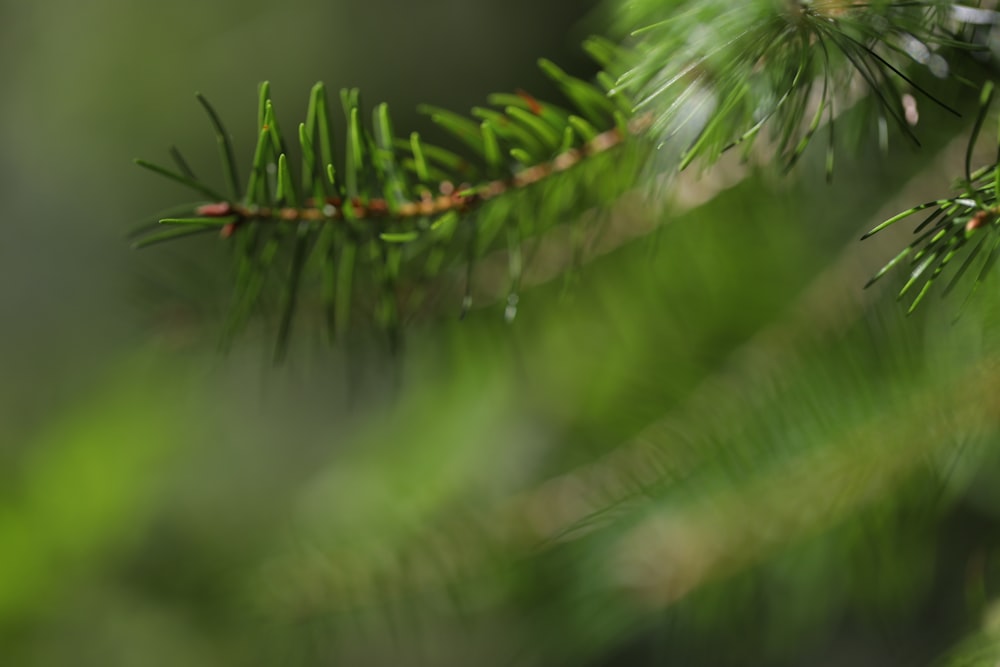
(395, 207)
(953, 225)
(700, 78)
(716, 74)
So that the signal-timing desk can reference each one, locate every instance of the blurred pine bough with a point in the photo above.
(715, 451)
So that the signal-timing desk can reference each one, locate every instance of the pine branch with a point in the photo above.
(953, 225)
(698, 79)
(400, 210)
(716, 74)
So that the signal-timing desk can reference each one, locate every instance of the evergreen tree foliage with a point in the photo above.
(696, 79)
(645, 413)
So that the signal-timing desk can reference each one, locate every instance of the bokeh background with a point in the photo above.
(714, 448)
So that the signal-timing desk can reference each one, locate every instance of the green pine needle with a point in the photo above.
(953, 224)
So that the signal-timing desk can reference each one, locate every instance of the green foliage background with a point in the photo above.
(713, 449)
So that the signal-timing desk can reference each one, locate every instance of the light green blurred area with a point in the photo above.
(163, 504)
